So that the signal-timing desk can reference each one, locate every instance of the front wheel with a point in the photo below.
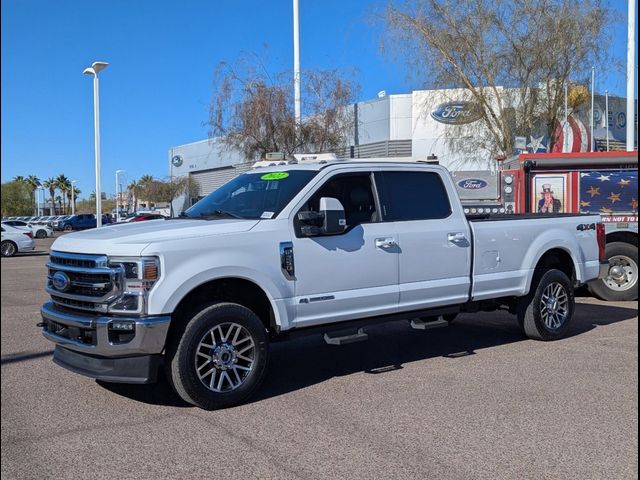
(545, 314)
(8, 249)
(41, 234)
(622, 282)
(68, 228)
(221, 357)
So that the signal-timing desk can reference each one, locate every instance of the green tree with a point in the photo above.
(72, 196)
(134, 193)
(34, 183)
(16, 198)
(64, 185)
(50, 184)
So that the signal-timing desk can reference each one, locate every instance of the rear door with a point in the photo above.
(433, 238)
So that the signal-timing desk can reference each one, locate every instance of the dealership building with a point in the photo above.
(423, 124)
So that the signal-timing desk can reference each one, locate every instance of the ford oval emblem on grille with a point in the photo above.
(472, 184)
(61, 281)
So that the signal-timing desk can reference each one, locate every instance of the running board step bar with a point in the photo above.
(360, 336)
(419, 324)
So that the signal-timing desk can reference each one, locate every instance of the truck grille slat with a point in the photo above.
(84, 282)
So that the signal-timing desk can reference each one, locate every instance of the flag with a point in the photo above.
(609, 192)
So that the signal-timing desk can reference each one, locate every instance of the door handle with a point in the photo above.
(386, 243)
(457, 238)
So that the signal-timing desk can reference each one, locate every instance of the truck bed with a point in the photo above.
(506, 249)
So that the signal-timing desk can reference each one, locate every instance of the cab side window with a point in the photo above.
(412, 196)
(355, 193)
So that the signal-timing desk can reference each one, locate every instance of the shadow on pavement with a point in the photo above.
(303, 362)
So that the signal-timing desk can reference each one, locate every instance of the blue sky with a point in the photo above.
(155, 92)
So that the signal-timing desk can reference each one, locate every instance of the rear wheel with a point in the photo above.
(622, 282)
(221, 357)
(8, 248)
(545, 314)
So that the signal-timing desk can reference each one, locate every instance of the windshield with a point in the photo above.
(252, 195)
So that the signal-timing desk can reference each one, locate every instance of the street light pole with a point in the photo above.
(117, 196)
(73, 196)
(94, 69)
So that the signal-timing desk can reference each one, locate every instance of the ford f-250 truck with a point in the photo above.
(301, 248)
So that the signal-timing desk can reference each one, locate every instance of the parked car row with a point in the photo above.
(15, 239)
(39, 230)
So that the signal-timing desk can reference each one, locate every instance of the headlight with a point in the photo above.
(139, 274)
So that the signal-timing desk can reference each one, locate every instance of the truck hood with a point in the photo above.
(131, 238)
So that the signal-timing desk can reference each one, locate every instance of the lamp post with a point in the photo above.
(94, 69)
(118, 196)
(73, 196)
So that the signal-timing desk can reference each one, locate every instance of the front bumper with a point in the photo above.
(86, 344)
(604, 270)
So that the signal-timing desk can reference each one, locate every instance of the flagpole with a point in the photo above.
(593, 87)
(631, 60)
(606, 115)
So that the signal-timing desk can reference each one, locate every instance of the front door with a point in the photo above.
(351, 275)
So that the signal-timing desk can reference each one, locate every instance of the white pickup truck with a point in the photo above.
(297, 248)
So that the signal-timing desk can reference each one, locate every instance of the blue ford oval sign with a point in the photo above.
(472, 184)
(456, 113)
(61, 281)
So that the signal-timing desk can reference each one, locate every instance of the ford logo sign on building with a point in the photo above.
(456, 113)
(472, 184)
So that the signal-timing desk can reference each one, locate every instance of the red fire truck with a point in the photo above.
(593, 182)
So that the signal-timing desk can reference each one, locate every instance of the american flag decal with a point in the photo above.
(609, 192)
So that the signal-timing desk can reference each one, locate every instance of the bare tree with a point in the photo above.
(512, 58)
(165, 191)
(253, 111)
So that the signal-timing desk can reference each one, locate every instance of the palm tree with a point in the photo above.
(34, 183)
(18, 178)
(50, 184)
(59, 200)
(63, 184)
(134, 191)
(72, 196)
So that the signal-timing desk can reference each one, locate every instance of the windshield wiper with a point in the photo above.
(218, 214)
(184, 215)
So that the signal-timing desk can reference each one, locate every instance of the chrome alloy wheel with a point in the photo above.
(8, 249)
(554, 306)
(623, 273)
(224, 357)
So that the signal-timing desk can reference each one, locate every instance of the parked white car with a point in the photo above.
(39, 230)
(15, 239)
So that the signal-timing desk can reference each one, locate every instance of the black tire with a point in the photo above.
(624, 255)
(185, 351)
(41, 234)
(68, 228)
(535, 314)
(8, 248)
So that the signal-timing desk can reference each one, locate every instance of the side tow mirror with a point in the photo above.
(330, 220)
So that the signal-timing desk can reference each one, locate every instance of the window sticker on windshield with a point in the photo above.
(274, 176)
(266, 215)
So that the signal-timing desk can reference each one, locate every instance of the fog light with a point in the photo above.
(123, 326)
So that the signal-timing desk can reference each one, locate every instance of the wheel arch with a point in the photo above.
(555, 258)
(624, 237)
(238, 290)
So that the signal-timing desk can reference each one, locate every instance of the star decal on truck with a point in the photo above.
(593, 191)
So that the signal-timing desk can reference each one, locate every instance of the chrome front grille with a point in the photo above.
(84, 282)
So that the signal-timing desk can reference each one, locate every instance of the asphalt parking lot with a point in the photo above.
(475, 400)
